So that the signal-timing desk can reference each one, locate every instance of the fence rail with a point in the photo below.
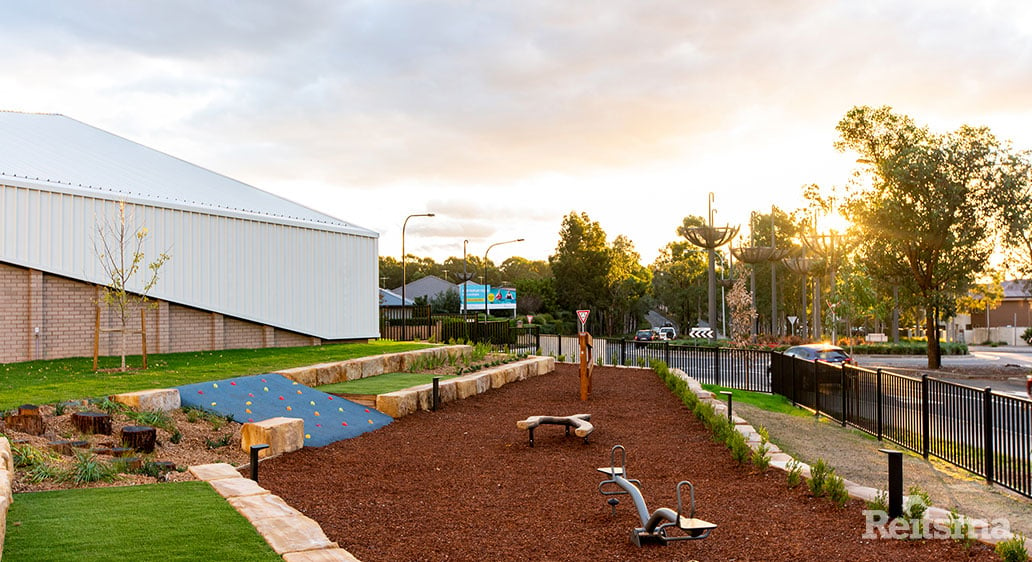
(984, 432)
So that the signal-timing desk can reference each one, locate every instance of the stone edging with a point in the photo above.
(362, 367)
(290, 533)
(781, 461)
(6, 490)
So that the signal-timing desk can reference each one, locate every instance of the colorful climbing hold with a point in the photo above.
(316, 413)
(200, 392)
(312, 402)
(282, 398)
(232, 383)
(308, 436)
(214, 385)
(340, 409)
(212, 403)
(247, 411)
(299, 392)
(345, 424)
(251, 420)
(289, 409)
(248, 403)
(370, 421)
(367, 410)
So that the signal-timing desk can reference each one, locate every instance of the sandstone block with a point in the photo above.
(237, 487)
(352, 370)
(293, 534)
(465, 387)
(301, 375)
(282, 435)
(6, 481)
(372, 366)
(215, 471)
(321, 555)
(262, 506)
(158, 400)
(5, 454)
(397, 404)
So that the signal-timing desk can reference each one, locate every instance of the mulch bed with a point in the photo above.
(463, 484)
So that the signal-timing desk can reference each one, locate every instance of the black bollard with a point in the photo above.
(729, 401)
(436, 394)
(895, 482)
(254, 460)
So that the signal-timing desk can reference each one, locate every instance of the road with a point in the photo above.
(1002, 359)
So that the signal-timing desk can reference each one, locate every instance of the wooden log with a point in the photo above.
(32, 424)
(101, 450)
(162, 466)
(92, 422)
(132, 464)
(139, 437)
(61, 446)
(121, 451)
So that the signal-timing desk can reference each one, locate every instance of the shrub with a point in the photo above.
(1013, 549)
(880, 501)
(759, 457)
(819, 474)
(27, 456)
(916, 505)
(87, 468)
(795, 474)
(835, 487)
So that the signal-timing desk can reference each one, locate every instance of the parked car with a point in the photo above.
(668, 332)
(821, 352)
(642, 337)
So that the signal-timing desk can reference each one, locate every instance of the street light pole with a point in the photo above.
(465, 276)
(483, 280)
(404, 279)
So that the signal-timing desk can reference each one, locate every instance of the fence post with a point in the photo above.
(816, 391)
(795, 385)
(925, 417)
(537, 339)
(666, 352)
(987, 424)
(716, 366)
(623, 351)
(879, 404)
(842, 384)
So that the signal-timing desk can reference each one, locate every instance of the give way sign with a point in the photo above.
(582, 315)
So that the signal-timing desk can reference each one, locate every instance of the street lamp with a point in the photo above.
(483, 279)
(404, 279)
(465, 276)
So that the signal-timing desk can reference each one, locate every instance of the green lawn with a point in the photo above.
(159, 522)
(770, 402)
(42, 382)
(387, 382)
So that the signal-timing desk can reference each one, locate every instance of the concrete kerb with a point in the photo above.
(784, 462)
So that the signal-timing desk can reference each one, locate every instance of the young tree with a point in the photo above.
(581, 263)
(742, 312)
(936, 207)
(119, 247)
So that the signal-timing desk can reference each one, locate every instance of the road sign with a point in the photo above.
(530, 318)
(583, 316)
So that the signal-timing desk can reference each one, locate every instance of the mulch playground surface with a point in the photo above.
(463, 484)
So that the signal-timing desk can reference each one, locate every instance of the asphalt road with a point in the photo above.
(1012, 364)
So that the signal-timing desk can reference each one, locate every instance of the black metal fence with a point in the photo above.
(984, 432)
(419, 323)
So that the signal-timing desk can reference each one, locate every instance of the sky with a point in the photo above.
(503, 117)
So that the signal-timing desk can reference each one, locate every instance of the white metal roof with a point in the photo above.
(58, 153)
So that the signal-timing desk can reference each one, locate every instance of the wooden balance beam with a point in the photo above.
(579, 422)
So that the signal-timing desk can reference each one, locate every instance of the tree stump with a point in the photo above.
(132, 464)
(92, 422)
(120, 451)
(61, 446)
(139, 437)
(27, 420)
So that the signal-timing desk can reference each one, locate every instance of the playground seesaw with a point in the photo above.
(655, 527)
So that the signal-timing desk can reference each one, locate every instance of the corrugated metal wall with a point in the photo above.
(310, 280)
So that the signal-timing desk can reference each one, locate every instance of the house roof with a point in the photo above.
(390, 298)
(429, 286)
(57, 153)
(1017, 289)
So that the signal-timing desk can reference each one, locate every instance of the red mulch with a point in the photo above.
(462, 484)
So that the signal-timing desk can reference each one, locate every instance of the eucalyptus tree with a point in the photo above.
(935, 208)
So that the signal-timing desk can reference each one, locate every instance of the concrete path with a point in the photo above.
(855, 456)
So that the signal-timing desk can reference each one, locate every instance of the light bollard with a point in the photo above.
(728, 393)
(895, 482)
(254, 459)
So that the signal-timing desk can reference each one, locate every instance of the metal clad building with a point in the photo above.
(235, 250)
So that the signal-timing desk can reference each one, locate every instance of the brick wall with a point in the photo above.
(15, 332)
(65, 311)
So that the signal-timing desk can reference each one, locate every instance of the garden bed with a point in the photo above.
(463, 484)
